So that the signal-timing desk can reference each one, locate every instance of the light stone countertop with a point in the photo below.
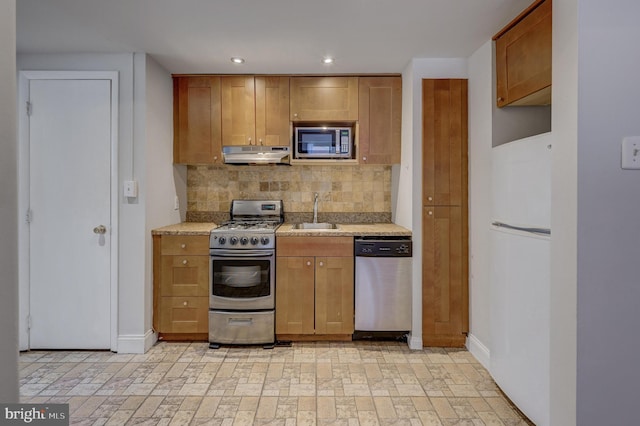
(185, 228)
(345, 230)
(286, 229)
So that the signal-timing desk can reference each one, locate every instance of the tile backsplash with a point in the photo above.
(353, 193)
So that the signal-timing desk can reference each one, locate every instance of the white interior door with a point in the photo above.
(70, 195)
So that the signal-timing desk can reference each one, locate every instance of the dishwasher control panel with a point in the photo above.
(383, 247)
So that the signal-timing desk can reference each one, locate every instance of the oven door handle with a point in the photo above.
(241, 253)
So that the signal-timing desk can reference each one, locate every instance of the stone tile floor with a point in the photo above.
(323, 383)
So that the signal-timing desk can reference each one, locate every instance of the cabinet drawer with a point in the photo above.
(241, 327)
(184, 276)
(184, 244)
(314, 246)
(184, 314)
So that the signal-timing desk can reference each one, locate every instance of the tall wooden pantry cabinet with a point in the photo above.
(445, 287)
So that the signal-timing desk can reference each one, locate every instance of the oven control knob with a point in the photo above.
(264, 240)
(244, 241)
(254, 241)
(233, 241)
(222, 240)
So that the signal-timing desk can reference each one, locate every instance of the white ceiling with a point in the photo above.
(274, 36)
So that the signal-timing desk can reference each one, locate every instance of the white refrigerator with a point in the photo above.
(520, 275)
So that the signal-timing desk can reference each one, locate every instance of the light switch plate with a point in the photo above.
(130, 188)
(631, 152)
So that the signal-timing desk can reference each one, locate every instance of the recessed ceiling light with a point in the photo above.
(327, 60)
(237, 60)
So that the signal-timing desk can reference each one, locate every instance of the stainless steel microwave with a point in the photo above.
(323, 142)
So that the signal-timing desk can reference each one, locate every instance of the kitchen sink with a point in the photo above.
(310, 225)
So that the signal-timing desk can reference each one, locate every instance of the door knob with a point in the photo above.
(100, 229)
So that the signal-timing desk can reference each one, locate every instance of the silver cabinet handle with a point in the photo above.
(100, 229)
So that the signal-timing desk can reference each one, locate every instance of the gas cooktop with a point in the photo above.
(252, 226)
(248, 225)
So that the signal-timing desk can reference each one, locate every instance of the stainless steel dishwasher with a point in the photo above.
(382, 287)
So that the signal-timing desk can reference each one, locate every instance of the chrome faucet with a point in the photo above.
(315, 208)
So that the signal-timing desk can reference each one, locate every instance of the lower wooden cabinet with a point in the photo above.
(314, 286)
(184, 314)
(445, 295)
(295, 295)
(181, 286)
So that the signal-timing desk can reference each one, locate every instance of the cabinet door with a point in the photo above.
(334, 295)
(272, 111)
(238, 110)
(184, 276)
(197, 125)
(444, 277)
(184, 315)
(444, 148)
(324, 98)
(523, 59)
(380, 110)
(295, 295)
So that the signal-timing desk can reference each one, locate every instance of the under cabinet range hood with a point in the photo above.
(255, 154)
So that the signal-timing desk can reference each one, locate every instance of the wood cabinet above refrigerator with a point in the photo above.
(523, 58)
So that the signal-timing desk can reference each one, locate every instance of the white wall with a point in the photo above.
(408, 211)
(161, 182)
(480, 196)
(134, 321)
(8, 206)
(608, 214)
(562, 357)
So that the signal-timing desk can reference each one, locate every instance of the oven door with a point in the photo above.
(242, 279)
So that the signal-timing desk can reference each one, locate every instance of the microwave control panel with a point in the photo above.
(344, 141)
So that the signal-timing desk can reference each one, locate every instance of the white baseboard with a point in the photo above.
(415, 342)
(479, 351)
(136, 343)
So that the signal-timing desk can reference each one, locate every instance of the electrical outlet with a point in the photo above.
(176, 203)
(631, 152)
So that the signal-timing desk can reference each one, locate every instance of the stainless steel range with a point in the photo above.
(242, 271)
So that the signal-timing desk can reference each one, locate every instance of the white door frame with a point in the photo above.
(23, 192)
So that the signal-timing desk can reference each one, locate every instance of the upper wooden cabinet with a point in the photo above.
(380, 110)
(197, 123)
(272, 110)
(255, 110)
(213, 111)
(523, 58)
(444, 149)
(324, 98)
(238, 110)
